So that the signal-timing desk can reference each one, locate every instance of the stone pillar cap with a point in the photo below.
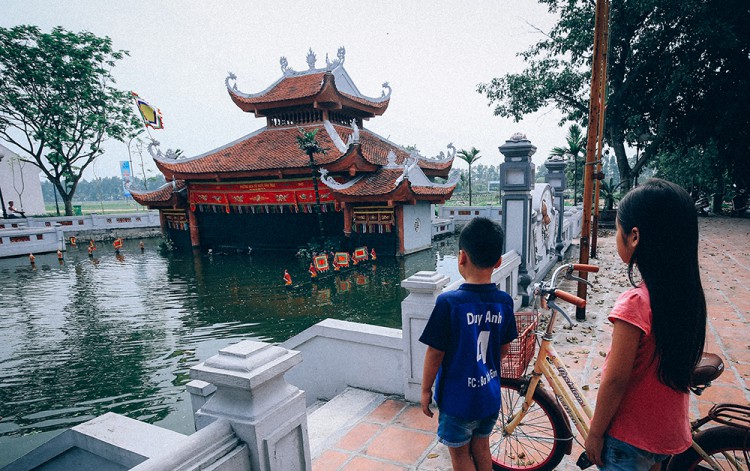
(246, 365)
(425, 281)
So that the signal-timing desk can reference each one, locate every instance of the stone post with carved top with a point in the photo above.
(265, 411)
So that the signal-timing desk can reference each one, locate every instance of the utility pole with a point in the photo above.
(598, 89)
(600, 142)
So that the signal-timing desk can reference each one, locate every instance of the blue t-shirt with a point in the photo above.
(470, 325)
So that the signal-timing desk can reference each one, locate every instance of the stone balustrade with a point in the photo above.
(23, 240)
(21, 236)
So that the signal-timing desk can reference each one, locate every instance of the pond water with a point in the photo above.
(119, 334)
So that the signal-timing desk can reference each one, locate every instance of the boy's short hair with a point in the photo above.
(483, 241)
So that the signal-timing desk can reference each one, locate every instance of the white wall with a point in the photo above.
(417, 227)
(338, 354)
(26, 182)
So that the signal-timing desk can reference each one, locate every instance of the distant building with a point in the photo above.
(19, 182)
(493, 186)
(258, 190)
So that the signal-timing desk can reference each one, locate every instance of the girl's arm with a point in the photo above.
(433, 358)
(625, 340)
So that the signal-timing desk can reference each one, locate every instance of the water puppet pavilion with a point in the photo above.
(259, 190)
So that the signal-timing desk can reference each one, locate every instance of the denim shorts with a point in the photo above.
(620, 456)
(456, 431)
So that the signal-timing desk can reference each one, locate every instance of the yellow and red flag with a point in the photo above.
(151, 116)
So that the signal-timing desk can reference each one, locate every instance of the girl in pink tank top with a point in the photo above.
(641, 413)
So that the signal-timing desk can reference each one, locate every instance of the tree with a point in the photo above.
(670, 65)
(308, 143)
(469, 156)
(576, 145)
(57, 101)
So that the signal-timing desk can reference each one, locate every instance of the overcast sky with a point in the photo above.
(433, 54)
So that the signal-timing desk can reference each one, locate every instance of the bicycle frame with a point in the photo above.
(568, 393)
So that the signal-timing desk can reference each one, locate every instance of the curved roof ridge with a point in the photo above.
(161, 158)
(145, 192)
(236, 91)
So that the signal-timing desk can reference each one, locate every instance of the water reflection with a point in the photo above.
(105, 333)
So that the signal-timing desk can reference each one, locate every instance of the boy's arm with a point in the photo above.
(432, 360)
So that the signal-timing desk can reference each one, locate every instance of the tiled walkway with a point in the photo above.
(396, 436)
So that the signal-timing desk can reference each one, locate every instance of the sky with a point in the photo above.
(433, 54)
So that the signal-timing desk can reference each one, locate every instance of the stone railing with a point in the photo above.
(93, 222)
(21, 236)
(23, 241)
(463, 214)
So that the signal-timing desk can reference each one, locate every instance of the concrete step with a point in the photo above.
(326, 424)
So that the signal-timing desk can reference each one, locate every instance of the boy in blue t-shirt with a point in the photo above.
(468, 331)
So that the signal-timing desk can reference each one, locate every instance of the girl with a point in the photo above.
(641, 413)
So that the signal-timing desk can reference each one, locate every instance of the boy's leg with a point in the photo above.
(461, 458)
(480, 451)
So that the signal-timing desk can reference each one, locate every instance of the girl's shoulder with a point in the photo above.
(634, 307)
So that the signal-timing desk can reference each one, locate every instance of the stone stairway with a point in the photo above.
(329, 421)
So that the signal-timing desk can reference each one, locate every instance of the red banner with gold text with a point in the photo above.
(282, 192)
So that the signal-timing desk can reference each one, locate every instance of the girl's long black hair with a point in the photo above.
(667, 258)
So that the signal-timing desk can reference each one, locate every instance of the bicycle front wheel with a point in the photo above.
(728, 446)
(538, 442)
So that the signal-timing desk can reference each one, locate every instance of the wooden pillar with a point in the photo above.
(163, 222)
(195, 238)
(348, 216)
(399, 213)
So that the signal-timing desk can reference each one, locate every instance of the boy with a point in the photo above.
(466, 332)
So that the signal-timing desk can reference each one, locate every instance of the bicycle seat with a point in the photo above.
(709, 367)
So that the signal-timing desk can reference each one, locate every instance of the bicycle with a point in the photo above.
(534, 432)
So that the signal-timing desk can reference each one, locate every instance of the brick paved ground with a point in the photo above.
(396, 436)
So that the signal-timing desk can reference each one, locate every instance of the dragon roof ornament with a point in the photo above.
(333, 184)
(416, 176)
(157, 154)
(311, 58)
(341, 54)
(334, 135)
(354, 136)
(233, 88)
(441, 157)
(391, 160)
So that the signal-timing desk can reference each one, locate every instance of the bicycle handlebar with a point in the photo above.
(571, 298)
(586, 268)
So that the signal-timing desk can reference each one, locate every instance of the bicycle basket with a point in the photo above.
(521, 349)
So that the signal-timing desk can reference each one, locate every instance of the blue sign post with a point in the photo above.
(126, 175)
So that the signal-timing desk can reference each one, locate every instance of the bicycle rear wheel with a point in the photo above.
(538, 442)
(728, 446)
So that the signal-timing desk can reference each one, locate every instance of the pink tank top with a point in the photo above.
(652, 416)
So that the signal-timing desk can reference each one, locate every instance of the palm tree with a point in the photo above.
(309, 145)
(576, 145)
(469, 156)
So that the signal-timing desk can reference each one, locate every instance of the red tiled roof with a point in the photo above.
(435, 165)
(299, 86)
(375, 151)
(272, 149)
(379, 183)
(430, 190)
(160, 195)
(383, 182)
(289, 88)
(269, 149)
(365, 101)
